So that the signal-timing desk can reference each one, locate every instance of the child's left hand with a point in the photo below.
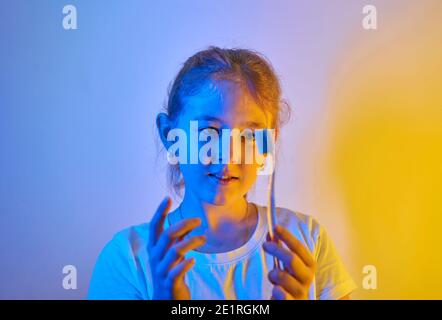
(299, 267)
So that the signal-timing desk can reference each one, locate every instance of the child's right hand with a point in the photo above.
(166, 251)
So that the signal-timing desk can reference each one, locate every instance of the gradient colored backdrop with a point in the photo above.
(362, 152)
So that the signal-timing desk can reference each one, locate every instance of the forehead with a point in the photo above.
(225, 102)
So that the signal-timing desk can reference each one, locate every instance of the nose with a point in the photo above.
(235, 145)
(226, 146)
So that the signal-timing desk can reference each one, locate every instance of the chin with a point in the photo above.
(223, 198)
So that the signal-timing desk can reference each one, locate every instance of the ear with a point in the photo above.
(276, 134)
(164, 125)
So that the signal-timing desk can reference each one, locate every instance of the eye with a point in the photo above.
(209, 130)
(249, 135)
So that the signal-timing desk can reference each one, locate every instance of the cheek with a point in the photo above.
(249, 174)
(193, 174)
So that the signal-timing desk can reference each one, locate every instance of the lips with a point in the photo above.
(223, 178)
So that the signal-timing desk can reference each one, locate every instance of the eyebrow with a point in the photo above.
(247, 123)
(209, 118)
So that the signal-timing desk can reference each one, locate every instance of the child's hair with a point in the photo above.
(247, 68)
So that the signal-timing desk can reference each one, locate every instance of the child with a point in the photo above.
(214, 244)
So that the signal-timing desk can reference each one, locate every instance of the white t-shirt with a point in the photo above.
(122, 269)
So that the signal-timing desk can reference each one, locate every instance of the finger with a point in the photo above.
(173, 233)
(275, 239)
(295, 245)
(156, 224)
(292, 262)
(177, 252)
(178, 272)
(278, 293)
(287, 282)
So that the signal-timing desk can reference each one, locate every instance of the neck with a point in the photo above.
(218, 221)
(211, 215)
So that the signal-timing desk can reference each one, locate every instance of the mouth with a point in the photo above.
(223, 179)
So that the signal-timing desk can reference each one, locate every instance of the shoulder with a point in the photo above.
(305, 222)
(130, 241)
(124, 250)
(120, 267)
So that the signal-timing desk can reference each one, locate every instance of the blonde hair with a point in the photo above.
(245, 67)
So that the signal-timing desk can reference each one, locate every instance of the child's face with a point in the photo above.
(228, 106)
